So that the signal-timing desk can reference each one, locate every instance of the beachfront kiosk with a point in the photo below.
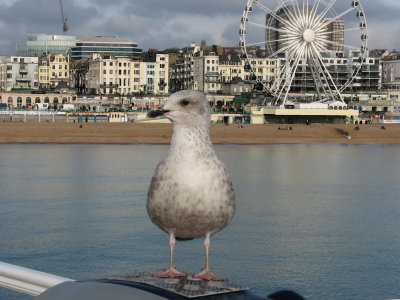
(305, 113)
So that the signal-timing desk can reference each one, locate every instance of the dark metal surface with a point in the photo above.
(187, 286)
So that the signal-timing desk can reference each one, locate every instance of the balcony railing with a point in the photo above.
(22, 79)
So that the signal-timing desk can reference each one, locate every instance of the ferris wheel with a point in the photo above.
(319, 46)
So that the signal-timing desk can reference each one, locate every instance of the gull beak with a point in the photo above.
(157, 113)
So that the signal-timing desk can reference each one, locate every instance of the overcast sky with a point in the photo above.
(164, 24)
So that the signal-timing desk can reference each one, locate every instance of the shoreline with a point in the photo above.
(160, 133)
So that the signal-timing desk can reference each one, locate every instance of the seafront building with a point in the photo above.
(37, 44)
(108, 75)
(154, 74)
(53, 69)
(109, 45)
(206, 76)
(181, 70)
(28, 100)
(391, 71)
(18, 73)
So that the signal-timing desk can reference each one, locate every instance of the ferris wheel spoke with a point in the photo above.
(308, 12)
(337, 17)
(321, 46)
(327, 72)
(297, 13)
(293, 72)
(272, 13)
(281, 50)
(267, 27)
(290, 39)
(287, 68)
(320, 19)
(338, 44)
(315, 74)
(270, 41)
(293, 18)
(327, 9)
(283, 71)
(255, 44)
(339, 31)
(314, 12)
(319, 69)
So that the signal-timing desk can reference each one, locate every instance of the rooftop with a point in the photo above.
(106, 39)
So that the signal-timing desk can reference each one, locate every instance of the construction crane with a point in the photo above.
(63, 19)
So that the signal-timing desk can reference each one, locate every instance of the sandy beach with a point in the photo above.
(157, 133)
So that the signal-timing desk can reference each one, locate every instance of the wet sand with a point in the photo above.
(157, 133)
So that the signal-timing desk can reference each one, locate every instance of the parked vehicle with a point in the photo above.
(67, 107)
(41, 106)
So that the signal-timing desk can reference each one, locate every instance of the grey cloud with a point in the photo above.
(190, 7)
(160, 23)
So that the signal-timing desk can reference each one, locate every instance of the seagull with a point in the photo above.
(191, 194)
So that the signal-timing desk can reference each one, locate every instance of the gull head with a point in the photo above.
(184, 107)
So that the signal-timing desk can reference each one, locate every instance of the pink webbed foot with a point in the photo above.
(208, 275)
(170, 273)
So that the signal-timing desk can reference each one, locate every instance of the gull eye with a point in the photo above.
(184, 102)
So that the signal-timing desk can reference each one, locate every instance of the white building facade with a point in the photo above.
(108, 75)
(206, 76)
(18, 73)
(391, 72)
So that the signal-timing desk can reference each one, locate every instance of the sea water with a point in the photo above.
(322, 220)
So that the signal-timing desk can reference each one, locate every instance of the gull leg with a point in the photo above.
(206, 274)
(171, 271)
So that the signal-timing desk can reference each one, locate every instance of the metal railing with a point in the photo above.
(27, 281)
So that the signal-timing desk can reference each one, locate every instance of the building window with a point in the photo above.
(37, 100)
(47, 100)
(28, 101)
(64, 100)
(55, 100)
(10, 101)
